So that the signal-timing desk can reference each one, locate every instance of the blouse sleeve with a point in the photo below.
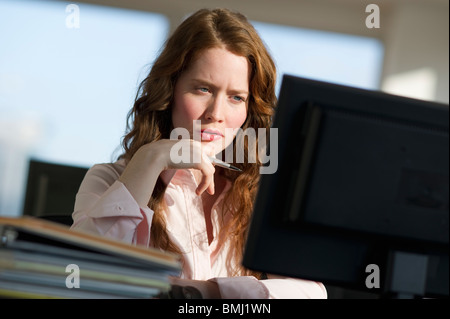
(290, 288)
(248, 287)
(104, 206)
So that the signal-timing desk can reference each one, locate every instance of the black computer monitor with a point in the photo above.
(360, 199)
(51, 189)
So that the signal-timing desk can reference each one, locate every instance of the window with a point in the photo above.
(66, 85)
(326, 56)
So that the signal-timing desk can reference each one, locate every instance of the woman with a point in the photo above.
(214, 71)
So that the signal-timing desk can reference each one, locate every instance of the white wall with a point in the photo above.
(417, 51)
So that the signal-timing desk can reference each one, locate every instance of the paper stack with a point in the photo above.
(42, 259)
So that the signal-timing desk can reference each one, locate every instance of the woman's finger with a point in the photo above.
(207, 181)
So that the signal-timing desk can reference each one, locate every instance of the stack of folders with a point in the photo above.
(42, 259)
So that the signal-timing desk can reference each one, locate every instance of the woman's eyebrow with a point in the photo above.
(202, 82)
(212, 85)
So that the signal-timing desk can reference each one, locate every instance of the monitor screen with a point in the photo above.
(51, 190)
(361, 190)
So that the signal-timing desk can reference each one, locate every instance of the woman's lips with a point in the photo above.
(210, 135)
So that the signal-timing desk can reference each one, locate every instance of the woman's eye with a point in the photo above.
(238, 98)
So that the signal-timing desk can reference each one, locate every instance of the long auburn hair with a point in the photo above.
(150, 118)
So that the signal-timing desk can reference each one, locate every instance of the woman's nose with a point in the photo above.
(215, 110)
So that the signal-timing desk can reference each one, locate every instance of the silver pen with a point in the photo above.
(223, 164)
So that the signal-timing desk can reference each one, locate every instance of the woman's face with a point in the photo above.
(213, 90)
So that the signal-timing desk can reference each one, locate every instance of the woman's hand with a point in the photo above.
(151, 159)
(196, 157)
